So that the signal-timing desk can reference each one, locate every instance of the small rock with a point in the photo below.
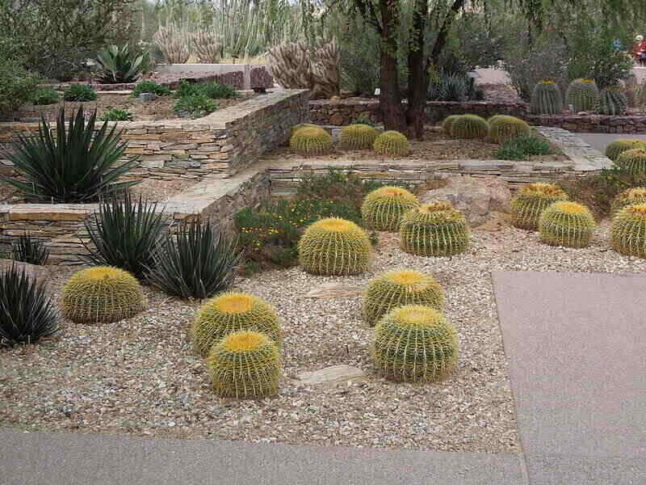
(331, 375)
(335, 290)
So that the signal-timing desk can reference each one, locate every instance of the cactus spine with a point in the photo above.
(469, 127)
(633, 161)
(357, 137)
(392, 144)
(628, 231)
(617, 147)
(612, 101)
(245, 365)
(503, 128)
(434, 229)
(311, 141)
(415, 344)
(546, 99)
(634, 196)
(334, 246)
(566, 224)
(383, 208)
(102, 295)
(582, 95)
(232, 312)
(531, 201)
(399, 288)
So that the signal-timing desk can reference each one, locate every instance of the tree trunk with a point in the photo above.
(389, 94)
(417, 75)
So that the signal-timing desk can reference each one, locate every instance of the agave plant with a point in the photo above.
(29, 250)
(125, 234)
(77, 163)
(26, 313)
(197, 263)
(120, 65)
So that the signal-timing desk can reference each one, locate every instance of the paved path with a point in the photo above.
(601, 140)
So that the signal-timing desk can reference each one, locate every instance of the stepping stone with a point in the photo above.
(335, 290)
(331, 375)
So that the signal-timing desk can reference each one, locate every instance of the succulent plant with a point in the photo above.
(469, 126)
(383, 208)
(447, 124)
(311, 141)
(503, 128)
(617, 147)
(566, 224)
(233, 312)
(398, 288)
(245, 365)
(633, 161)
(546, 98)
(628, 231)
(415, 344)
(633, 196)
(120, 64)
(392, 144)
(357, 137)
(531, 200)
(582, 95)
(435, 229)
(334, 246)
(206, 45)
(101, 295)
(297, 127)
(612, 101)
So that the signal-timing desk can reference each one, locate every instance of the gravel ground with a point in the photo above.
(140, 376)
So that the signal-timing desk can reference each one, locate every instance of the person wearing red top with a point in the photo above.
(640, 50)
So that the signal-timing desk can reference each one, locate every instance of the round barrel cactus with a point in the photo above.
(530, 201)
(633, 161)
(633, 196)
(357, 137)
(334, 246)
(245, 365)
(546, 98)
(383, 208)
(617, 147)
(469, 126)
(582, 95)
(566, 224)
(435, 229)
(628, 231)
(295, 128)
(311, 141)
(612, 101)
(447, 124)
(233, 312)
(398, 288)
(503, 128)
(102, 295)
(392, 144)
(415, 343)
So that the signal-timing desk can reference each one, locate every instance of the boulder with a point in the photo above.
(331, 375)
(41, 273)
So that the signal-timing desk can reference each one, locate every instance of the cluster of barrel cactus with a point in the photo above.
(102, 295)
(612, 101)
(628, 231)
(617, 147)
(531, 201)
(435, 229)
(503, 128)
(383, 208)
(357, 137)
(334, 246)
(447, 124)
(566, 224)
(633, 196)
(469, 127)
(311, 140)
(392, 144)
(633, 161)
(546, 98)
(582, 95)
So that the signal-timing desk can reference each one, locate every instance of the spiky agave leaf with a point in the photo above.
(29, 250)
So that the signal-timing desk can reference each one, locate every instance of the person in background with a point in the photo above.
(640, 50)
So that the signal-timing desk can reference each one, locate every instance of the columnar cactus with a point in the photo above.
(311, 141)
(357, 137)
(634, 196)
(617, 147)
(546, 98)
(233, 312)
(469, 126)
(398, 288)
(415, 344)
(628, 231)
(101, 295)
(245, 365)
(392, 144)
(334, 246)
(448, 123)
(531, 200)
(383, 208)
(503, 128)
(435, 229)
(612, 101)
(582, 95)
(633, 161)
(566, 224)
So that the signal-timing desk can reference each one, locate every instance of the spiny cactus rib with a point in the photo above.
(612, 101)
(357, 137)
(634, 196)
(469, 127)
(633, 161)
(383, 208)
(415, 344)
(233, 312)
(566, 224)
(582, 95)
(447, 124)
(434, 230)
(334, 246)
(311, 141)
(102, 295)
(617, 147)
(531, 200)
(503, 128)
(546, 99)
(399, 288)
(295, 128)
(245, 365)
(392, 144)
(628, 231)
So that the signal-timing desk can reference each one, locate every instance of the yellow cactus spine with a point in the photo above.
(530, 201)
(383, 208)
(566, 224)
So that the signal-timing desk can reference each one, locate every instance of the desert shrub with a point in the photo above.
(45, 96)
(359, 55)
(28, 249)
(121, 64)
(210, 90)
(73, 163)
(79, 92)
(369, 122)
(194, 106)
(116, 114)
(452, 87)
(150, 87)
(17, 85)
(522, 147)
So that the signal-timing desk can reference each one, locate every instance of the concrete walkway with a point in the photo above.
(600, 141)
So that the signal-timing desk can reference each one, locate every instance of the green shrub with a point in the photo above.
(45, 96)
(29, 250)
(365, 121)
(194, 106)
(210, 90)
(119, 64)
(116, 114)
(17, 85)
(522, 147)
(79, 92)
(510, 153)
(150, 87)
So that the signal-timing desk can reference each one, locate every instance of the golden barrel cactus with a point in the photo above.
(633, 196)
(357, 137)
(628, 231)
(383, 208)
(633, 161)
(566, 224)
(531, 200)
(447, 124)
(311, 140)
(392, 144)
(503, 128)
(617, 147)
(469, 127)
